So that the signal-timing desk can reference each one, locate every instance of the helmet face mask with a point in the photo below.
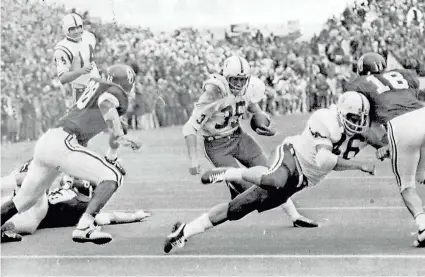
(353, 113)
(237, 83)
(75, 33)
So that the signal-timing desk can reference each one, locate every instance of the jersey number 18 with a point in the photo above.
(394, 78)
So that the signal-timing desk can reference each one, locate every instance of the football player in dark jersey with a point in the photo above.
(393, 95)
(61, 149)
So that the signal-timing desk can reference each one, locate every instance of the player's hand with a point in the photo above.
(195, 168)
(368, 168)
(86, 69)
(117, 165)
(265, 131)
(127, 142)
(383, 152)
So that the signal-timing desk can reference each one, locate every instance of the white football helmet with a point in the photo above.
(236, 70)
(72, 26)
(353, 112)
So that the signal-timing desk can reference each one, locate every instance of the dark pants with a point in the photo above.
(226, 152)
(282, 180)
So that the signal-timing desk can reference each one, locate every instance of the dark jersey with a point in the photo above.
(85, 119)
(390, 93)
(65, 213)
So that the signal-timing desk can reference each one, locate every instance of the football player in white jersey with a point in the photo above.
(74, 55)
(331, 138)
(226, 97)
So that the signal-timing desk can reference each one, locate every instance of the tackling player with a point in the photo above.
(61, 206)
(60, 149)
(226, 97)
(331, 138)
(74, 55)
(393, 95)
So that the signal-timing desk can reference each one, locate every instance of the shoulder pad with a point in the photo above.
(324, 123)
(90, 37)
(220, 83)
(256, 89)
(411, 77)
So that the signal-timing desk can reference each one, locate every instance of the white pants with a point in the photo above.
(58, 151)
(406, 135)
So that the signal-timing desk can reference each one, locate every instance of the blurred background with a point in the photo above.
(303, 50)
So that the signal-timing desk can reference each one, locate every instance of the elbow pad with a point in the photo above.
(188, 129)
(326, 160)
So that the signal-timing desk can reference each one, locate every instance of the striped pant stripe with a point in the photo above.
(80, 149)
(393, 147)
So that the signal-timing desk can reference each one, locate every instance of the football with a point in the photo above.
(258, 120)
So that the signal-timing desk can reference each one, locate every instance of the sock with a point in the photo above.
(8, 210)
(120, 217)
(85, 221)
(233, 174)
(420, 221)
(290, 210)
(101, 196)
(197, 226)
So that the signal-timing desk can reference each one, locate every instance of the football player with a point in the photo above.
(331, 138)
(393, 95)
(61, 206)
(74, 55)
(225, 98)
(60, 149)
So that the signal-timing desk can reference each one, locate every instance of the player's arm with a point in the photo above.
(108, 104)
(376, 136)
(325, 159)
(63, 59)
(263, 130)
(203, 110)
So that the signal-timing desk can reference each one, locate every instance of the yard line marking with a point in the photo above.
(277, 209)
(219, 256)
(188, 179)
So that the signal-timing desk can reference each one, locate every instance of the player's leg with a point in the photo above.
(405, 148)
(28, 221)
(107, 218)
(38, 179)
(219, 153)
(236, 209)
(250, 155)
(84, 164)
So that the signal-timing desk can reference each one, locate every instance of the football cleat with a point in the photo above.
(420, 241)
(91, 234)
(304, 222)
(214, 175)
(176, 238)
(10, 236)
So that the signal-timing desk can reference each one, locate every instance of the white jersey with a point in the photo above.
(323, 128)
(217, 113)
(70, 55)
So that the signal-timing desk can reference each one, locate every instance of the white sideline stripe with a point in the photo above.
(301, 209)
(151, 179)
(159, 257)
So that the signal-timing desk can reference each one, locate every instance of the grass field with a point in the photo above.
(365, 228)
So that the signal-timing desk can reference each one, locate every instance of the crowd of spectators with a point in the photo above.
(300, 75)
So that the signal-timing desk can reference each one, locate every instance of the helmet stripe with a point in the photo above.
(241, 64)
(361, 97)
(75, 21)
